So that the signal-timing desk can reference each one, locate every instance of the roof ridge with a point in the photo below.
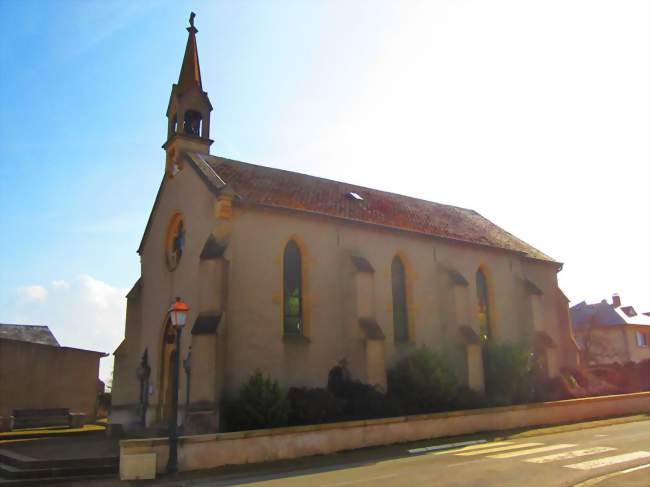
(20, 324)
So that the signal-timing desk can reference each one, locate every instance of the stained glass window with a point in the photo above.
(400, 314)
(292, 276)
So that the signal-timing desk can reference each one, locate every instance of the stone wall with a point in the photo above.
(214, 450)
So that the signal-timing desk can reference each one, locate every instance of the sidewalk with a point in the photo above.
(242, 474)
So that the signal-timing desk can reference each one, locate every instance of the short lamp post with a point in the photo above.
(178, 317)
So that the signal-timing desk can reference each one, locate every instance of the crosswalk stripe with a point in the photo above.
(598, 480)
(497, 449)
(603, 462)
(447, 446)
(475, 447)
(568, 455)
(521, 453)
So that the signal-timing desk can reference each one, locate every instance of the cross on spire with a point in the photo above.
(190, 70)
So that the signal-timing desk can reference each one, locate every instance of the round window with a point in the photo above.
(175, 244)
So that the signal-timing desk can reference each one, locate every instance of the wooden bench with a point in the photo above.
(33, 418)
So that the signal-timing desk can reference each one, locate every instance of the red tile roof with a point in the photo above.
(285, 189)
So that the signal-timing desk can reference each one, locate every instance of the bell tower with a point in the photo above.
(188, 112)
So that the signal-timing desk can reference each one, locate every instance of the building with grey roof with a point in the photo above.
(38, 374)
(609, 332)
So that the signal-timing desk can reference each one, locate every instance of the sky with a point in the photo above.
(535, 114)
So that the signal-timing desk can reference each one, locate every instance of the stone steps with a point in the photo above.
(14, 466)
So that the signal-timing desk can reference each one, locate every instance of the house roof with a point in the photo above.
(605, 314)
(266, 186)
(28, 333)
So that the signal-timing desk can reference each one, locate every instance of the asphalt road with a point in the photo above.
(615, 455)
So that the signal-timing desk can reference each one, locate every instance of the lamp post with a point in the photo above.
(178, 316)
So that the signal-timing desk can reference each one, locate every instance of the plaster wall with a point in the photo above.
(636, 352)
(334, 301)
(188, 195)
(34, 376)
(126, 391)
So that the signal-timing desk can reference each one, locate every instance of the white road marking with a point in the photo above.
(541, 449)
(499, 448)
(598, 480)
(570, 454)
(474, 447)
(446, 447)
(604, 462)
(460, 464)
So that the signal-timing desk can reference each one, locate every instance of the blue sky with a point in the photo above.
(535, 114)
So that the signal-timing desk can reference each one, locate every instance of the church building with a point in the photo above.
(290, 273)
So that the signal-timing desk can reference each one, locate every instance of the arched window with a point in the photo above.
(400, 314)
(484, 315)
(292, 277)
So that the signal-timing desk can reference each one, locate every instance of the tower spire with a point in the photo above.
(189, 108)
(190, 74)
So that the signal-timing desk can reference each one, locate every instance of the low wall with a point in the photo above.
(214, 450)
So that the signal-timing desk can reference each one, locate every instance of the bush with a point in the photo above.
(103, 404)
(423, 382)
(313, 406)
(467, 398)
(261, 404)
(511, 373)
(358, 400)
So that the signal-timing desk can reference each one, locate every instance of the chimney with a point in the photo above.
(616, 300)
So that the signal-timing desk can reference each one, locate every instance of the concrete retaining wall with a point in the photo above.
(214, 450)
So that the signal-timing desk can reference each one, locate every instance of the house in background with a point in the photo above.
(609, 332)
(38, 374)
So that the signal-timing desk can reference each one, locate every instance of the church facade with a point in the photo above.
(290, 273)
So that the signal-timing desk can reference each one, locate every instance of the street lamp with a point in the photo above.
(178, 316)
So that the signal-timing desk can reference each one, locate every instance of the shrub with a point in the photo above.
(313, 406)
(423, 382)
(261, 404)
(358, 400)
(103, 404)
(467, 398)
(511, 373)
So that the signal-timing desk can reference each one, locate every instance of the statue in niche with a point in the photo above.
(179, 241)
(176, 245)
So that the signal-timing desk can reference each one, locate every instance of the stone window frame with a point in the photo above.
(399, 292)
(485, 294)
(299, 276)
